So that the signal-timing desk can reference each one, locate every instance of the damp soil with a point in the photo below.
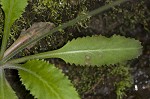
(93, 82)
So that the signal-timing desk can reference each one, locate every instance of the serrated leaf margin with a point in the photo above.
(57, 74)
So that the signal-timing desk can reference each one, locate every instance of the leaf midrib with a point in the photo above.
(37, 76)
(90, 51)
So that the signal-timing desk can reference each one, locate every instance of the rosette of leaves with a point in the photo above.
(43, 79)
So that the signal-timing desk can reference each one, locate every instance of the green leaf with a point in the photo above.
(99, 50)
(96, 50)
(6, 91)
(45, 81)
(13, 10)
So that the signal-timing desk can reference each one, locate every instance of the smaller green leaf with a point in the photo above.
(13, 9)
(45, 81)
(6, 92)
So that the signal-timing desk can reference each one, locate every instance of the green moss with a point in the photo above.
(123, 79)
(128, 16)
(90, 80)
(59, 11)
(85, 79)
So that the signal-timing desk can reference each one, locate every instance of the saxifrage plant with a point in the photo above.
(43, 79)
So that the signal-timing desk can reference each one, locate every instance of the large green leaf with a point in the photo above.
(6, 91)
(99, 50)
(45, 81)
(96, 50)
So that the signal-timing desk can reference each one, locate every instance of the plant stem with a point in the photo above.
(49, 54)
(5, 38)
(63, 26)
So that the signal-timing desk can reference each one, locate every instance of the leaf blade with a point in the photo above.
(97, 50)
(47, 78)
(13, 9)
(5, 90)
